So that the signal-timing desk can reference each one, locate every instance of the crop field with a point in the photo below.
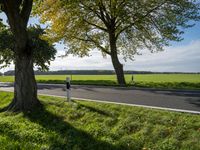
(187, 81)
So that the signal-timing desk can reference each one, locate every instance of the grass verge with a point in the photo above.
(89, 125)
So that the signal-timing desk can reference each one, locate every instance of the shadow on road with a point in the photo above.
(182, 99)
(183, 93)
(194, 102)
(177, 93)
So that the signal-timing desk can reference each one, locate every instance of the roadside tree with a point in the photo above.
(117, 27)
(24, 47)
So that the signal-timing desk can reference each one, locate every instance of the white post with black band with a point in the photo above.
(68, 89)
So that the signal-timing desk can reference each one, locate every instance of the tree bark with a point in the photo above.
(25, 87)
(115, 61)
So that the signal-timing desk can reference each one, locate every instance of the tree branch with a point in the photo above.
(26, 10)
(81, 39)
(144, 16)
(12, 13)
(100, 15)
(1, 2)
(99, 27)
(99, 46)
(103, 8)
(103, 17)
(92, 10)
(1, 6)
(94, 42)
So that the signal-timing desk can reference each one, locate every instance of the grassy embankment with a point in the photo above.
(179, 81)
(88, 126)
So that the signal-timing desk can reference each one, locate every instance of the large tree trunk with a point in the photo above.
(115, 61)
(118, 69)
(25, 87)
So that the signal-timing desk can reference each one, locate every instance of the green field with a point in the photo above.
(96, 126)
(182, 81)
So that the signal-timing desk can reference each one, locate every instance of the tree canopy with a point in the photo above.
(84, 25)
(117, 27)
(43, 51)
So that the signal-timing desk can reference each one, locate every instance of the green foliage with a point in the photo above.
(84, 125)
(85, 25)
(43, 51)
(6, 45)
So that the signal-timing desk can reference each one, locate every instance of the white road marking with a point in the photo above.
(145, 106)
(108, 102)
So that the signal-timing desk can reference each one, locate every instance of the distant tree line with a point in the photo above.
(94, 72)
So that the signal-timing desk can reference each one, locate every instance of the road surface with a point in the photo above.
(174, 99)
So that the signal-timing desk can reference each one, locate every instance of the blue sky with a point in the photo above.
(183, 56)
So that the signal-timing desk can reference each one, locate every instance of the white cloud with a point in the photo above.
(177, 58)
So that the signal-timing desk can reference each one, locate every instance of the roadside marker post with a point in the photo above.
(132, 79)
(68, 89)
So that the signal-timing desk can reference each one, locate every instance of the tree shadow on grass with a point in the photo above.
(5, 106)
(95, 110)
(70, 137)
(3, 109)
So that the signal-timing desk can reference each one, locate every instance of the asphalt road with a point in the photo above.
(174, 99)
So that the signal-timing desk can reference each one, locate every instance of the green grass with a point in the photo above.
(96, 126)
(180, 81)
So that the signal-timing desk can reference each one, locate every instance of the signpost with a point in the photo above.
(68, 89)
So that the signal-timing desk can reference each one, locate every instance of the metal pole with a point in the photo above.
(68, 89)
